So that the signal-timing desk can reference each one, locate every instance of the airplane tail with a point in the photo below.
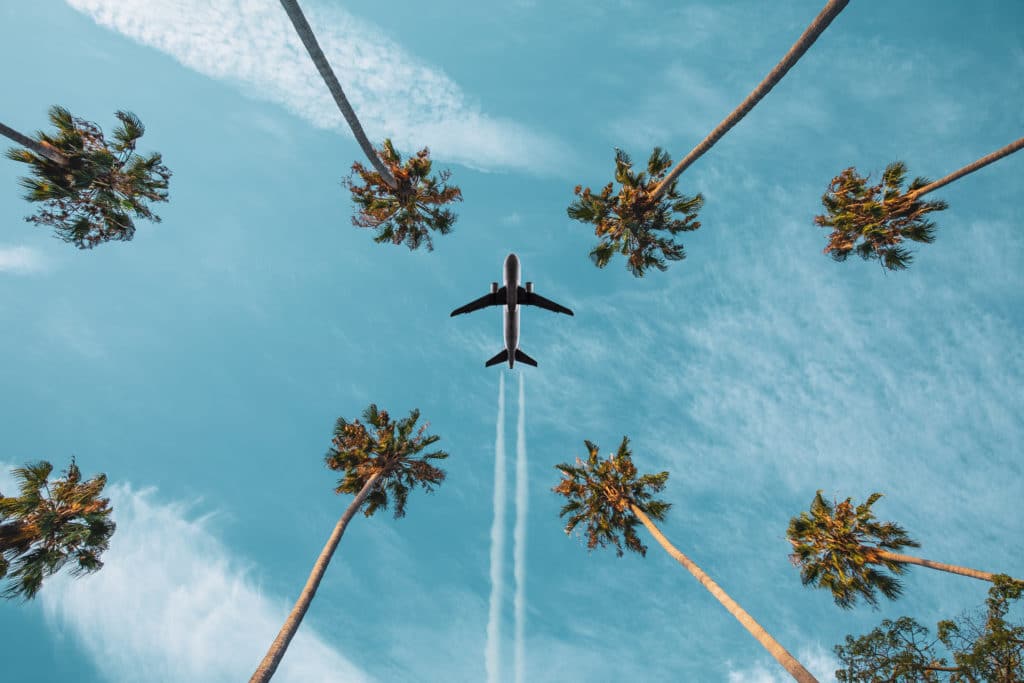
(523, 358)
(500, 358)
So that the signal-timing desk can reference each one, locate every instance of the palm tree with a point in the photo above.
(397, 199)
(90, 188)
(610, 498)
(874, 220)
(632, 214)
(380, 467)
(408, 214)
(51, 524)
(838, 546)
(626, 224)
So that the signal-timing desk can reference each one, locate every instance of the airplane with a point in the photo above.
(511, 295)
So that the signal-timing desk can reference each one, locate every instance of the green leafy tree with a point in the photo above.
(403, 202)
(632, 222)
(608, 497)
(843, 548)
(980, 647)
(874, 221)
(51, 524)
(381, 463)
(89, 188)
(627, 221)
(413, 210)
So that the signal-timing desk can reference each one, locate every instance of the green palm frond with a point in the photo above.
(393, 449)
(411, 211)
(835, 546)
(630, 223)
(51, 524)
(874, 221)
(599, 494)
(105, 186)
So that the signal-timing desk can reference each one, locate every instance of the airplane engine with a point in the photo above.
(494, 288)
(529, 287)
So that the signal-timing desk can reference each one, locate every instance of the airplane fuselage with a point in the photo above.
(511, 309)
(512, 297)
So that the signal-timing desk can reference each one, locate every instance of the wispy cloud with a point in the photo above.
(252, 43)
(815, 659)
(21, 260)
(173, 604)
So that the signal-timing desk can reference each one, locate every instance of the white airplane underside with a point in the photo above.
(511, 295)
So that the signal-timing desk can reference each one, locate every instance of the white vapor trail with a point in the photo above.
(492, 651)
(519, 535)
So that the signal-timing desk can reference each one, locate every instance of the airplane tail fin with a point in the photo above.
(500, 358)
(523, 358)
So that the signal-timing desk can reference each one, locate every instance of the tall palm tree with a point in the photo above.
(632, 214)
(51, 524)
(609, 498)
(90, 188)
(380, 466)
(838, 546)
(874, 220)
(395, 198)
(627, 225)
(409, 214)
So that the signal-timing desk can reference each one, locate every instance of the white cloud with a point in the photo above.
(172, 604)
(20, 260)
(815, 659)
(253, 44)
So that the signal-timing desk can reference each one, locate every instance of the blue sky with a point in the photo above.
(202, 365)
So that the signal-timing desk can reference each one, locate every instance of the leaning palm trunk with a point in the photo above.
(817, 27)
(941, 566)
(313, 47)
(970, 168)
(43, 149)
(272, 659)
(781, 655)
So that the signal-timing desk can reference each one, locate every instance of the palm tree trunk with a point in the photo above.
(313, 48)
(817, 27)
(951, 568)
(970, 168)
(43, 149)
(781, 655)
(272, 659)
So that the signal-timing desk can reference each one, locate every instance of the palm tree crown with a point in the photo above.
(874, 220)
(837, 546)
(50, 524)
(408, 212)
(600, 493)
(92, 198)
(629, 221)
(387, 449)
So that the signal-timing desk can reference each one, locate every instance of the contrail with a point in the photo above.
(492, 652)
(519, 535)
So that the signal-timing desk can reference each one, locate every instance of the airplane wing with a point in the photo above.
(495, 299)
(534, 299)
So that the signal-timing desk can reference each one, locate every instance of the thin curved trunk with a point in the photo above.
(313, 48)
(970, 168)
(781, 655)
(942, 566)
(272, 659)
(817, 27)
(41, 148)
